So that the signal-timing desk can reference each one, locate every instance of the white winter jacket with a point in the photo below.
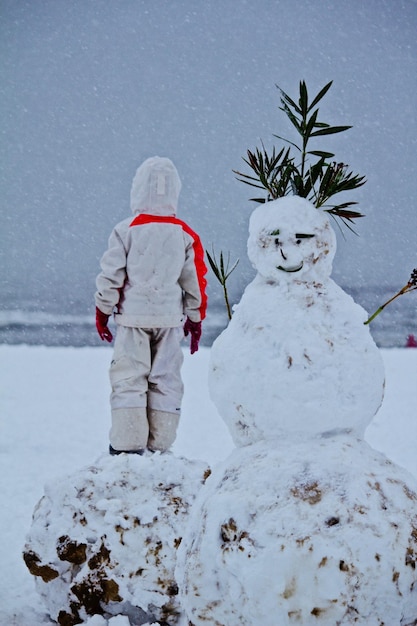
(153, 271)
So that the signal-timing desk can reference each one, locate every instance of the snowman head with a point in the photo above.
(291, 240)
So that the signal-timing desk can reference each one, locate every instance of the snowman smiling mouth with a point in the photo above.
(299, 237)
(291, 269)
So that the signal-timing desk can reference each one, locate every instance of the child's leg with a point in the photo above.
(129, 373)
(129, 431)
(165, 388)
(162, 429)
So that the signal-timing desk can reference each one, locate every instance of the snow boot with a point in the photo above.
(130, 430)
(114, 452)
(162, 429)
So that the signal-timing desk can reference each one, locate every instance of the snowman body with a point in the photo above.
(306, 524)
(296, 358)
(322, 532)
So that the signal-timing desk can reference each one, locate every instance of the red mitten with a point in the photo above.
(194, 328)
(101, 325)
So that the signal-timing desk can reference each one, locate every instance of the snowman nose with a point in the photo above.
(282, 254)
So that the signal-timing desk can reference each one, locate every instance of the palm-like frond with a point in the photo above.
(318, 181)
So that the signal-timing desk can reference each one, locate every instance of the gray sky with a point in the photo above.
(91, 88)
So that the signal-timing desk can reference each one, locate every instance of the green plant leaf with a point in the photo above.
(258, 186)
(341, 212)
(320, 95)
(312, 176)
(287, 141)
(294, 121)
(222, 273)
(213, 265)
(221, 265)
(311, 124)
(330, 130)
(320, 153)
(303, 101)
(288, 100)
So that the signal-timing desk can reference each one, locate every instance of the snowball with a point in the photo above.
(295, 361)
(104, 540)
(289, 239)
(296, 358)
(323, 533)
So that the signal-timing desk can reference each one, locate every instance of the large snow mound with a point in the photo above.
(104, 540)
(297, 361)
(323, 533)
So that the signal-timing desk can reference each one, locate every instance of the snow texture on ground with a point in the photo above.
(55, 420)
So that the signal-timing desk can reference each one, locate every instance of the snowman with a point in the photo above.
(296, 357)
(303, 523)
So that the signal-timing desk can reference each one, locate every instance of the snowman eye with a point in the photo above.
(300, 236)
(275, 234)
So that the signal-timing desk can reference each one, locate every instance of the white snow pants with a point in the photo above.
(147, 388)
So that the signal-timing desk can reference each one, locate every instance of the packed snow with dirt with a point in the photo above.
(107, 536)
(55, 420)
(315, 532)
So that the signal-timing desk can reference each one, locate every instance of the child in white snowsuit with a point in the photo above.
(153, 274)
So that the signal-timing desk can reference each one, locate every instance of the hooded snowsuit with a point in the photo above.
(153, 275)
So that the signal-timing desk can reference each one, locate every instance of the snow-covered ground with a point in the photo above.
(55, 418)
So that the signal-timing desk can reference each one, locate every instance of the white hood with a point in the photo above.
(155, 187)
